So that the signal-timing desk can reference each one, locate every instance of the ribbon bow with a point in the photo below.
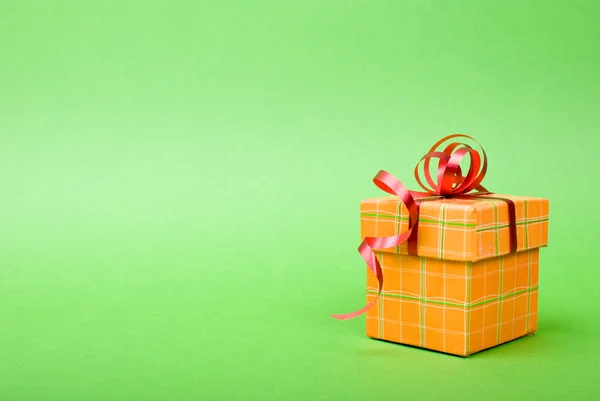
(450, 184)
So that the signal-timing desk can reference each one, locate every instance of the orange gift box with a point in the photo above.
(454, 268)
(465, 291)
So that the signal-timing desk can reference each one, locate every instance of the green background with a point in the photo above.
(180, 184)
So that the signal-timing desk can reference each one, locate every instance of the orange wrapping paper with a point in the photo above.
(464, 292)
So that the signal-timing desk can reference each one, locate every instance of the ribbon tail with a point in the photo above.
(368, 255)
(392, 185)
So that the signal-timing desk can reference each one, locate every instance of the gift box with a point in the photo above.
(465, 291)
(451, 270)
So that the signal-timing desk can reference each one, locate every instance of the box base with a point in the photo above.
(457, 308)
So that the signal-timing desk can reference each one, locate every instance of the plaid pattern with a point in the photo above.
(459, 229)
(456, 307)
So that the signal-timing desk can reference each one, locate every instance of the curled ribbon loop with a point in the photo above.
(450, 183)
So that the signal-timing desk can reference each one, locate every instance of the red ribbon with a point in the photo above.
(450, 184)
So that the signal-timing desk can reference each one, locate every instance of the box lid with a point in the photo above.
(459, 229)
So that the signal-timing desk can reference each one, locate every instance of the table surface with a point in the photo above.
(180, 184)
